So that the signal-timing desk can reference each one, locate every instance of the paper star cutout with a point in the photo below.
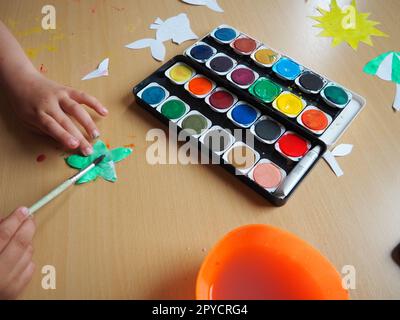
(105, 169)
(347, 25)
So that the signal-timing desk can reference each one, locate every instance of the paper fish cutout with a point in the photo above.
(341, 150)
(101, 71)
(105, 169)
(176, 28)
(347, 25)
(211, 4)
(387, 67)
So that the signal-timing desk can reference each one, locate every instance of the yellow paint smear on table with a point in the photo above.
(29, 32)
(52, 37)
(32, 53)
(48, 46)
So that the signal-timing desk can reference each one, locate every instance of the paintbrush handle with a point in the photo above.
(64, 186)
(50, 196)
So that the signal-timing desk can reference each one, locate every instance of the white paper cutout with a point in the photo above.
(341, 150)
(101, 71)
(211, 4)
(385, 68)
(158, 50)
(396, 104)
(176, 28)
(333, 164)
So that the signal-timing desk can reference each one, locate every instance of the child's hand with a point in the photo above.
(47, 107)
(16, 266)
(43, 104)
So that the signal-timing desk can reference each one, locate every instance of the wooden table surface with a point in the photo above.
(145, 236)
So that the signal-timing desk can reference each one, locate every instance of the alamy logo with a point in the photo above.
(49, 278)
(349, 21)
(164, 151)
(49, 20)
(349, 277)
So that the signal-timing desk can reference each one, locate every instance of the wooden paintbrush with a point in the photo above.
(64, 186)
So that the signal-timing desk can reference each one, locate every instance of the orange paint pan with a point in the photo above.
(261, 262)
(200, 87)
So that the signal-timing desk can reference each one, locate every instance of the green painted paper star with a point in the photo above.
(105, 169)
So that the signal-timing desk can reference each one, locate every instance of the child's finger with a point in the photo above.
(68, 125)
(21, 282)
(16, 248)
(22, 263)
(90, 101)
(51, 127)
(33, 127)
(82, 116)
(10, 225)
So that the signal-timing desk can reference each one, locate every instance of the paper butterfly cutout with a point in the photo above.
(176, 28)
(387, 67)
(105, 169)
(341, 150)
(211, 4)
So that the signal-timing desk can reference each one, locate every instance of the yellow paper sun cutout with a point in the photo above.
(347, 25)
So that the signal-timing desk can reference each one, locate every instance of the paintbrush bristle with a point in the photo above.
(98, 160)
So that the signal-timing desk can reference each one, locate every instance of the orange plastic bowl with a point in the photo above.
(258, 262)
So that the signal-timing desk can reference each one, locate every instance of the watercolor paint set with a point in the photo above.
(287, 113)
